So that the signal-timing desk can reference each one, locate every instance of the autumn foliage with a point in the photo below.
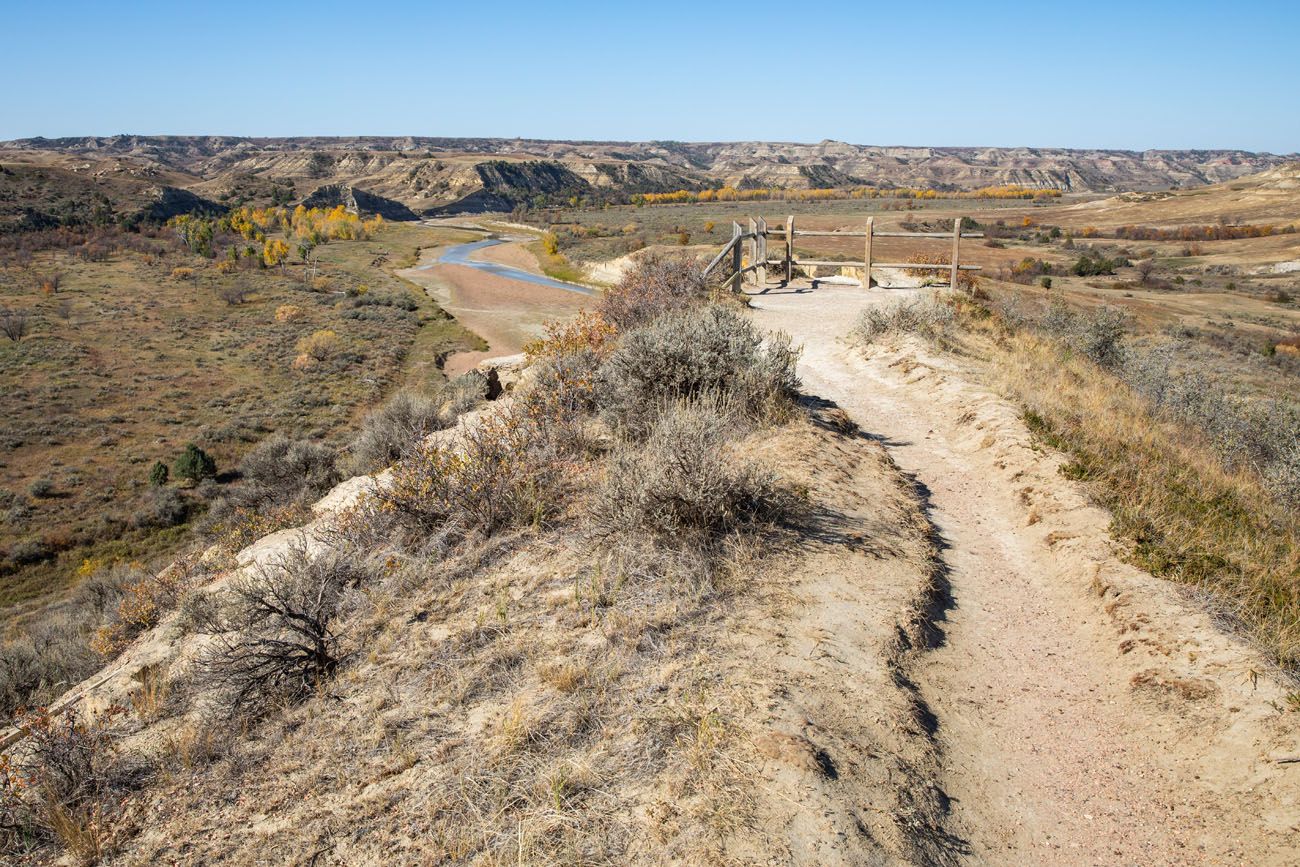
(731, 194)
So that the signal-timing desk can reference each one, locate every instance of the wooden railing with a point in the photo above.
(754, 242)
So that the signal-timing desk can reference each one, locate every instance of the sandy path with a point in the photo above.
(1087, 714)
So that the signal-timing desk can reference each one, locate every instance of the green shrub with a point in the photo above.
(41, 488)
(689, 353)
(194, 465)
(1089, 265)
(158, 474)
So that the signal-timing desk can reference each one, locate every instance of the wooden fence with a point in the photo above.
(752, 246)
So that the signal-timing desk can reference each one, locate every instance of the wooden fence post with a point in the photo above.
(735, 257)
(866, 259)
(760, 259)
(956, 248)
(789, 249)
(753, 241)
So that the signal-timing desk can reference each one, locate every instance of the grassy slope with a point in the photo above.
(144, 363)
(1182, 515)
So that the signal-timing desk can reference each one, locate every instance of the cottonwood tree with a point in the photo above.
(13, 323)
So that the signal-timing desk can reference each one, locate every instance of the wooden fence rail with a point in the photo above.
(754, 244)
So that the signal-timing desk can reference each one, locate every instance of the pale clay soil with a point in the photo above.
(1088, 713)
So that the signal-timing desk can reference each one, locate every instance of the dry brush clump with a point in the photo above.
(927, 317)
(686, 486)
(655, 284)
(397, 428)
(274, 631)
(281, 471)
(144, 598)
(499, 472)
(1097, 335)
(60, 787)
(689, 353)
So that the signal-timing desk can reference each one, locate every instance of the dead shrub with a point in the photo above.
(61, 790)
(13, 323)
(182, 273)
(233, 294)
(691, 353)
(274, 635)
(655, 284)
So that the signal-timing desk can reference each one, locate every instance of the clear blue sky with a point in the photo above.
(1157, 74)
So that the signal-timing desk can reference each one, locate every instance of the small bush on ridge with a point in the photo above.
(927, 317)
(274, 631)
(682, 484)
(280, 470)
(689, 353)
(655, 284)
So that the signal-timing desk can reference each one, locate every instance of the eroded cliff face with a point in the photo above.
(440, 175)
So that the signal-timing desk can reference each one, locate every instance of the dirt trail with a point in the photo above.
(1088, 713)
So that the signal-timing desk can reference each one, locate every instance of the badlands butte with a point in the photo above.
(406, 177)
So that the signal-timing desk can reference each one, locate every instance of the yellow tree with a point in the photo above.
(274, 252)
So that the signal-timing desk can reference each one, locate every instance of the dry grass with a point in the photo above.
(1185, 516)
(122, 366)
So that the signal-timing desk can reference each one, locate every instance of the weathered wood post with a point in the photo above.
(760, 276)
(735, 257)
(956, 248)
(789, 249)
(866, 258)
(753, 241)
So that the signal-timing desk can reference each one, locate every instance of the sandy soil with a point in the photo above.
(515, 255)
(506, 313)
(1087, 712)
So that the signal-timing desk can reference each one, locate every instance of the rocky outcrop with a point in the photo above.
(358, 202)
